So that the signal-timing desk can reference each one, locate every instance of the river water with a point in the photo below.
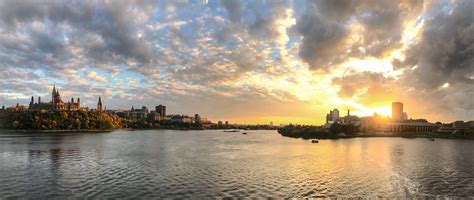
(200, 164)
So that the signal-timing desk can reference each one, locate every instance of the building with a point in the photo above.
(38, 105)
(350, 119)
(460, 125)
(205, 121)
(99, 105)
(153, 116)
(161, 110)
(446, 130)
(471, 124)
(374, 123)
(405, 116)
(197, 118)
(56, 104)
(145, 110)
(181, 119)
(419, 126)
(397, 111)
(333, 116)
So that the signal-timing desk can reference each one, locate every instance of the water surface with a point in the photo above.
(194, 164)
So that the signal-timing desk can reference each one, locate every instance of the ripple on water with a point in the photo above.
(219, 165)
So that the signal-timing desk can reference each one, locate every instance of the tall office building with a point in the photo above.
(160, 109)
(397, 111)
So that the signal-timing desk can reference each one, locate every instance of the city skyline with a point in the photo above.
(244, 61)
(397, 113)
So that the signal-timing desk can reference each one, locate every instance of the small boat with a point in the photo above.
(314, 141)
(432, 139)
(231, 131)
(244, 133)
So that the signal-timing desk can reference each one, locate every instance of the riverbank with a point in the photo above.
(59, 131)
(308, 136)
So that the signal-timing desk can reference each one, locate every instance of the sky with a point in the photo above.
(244, 61)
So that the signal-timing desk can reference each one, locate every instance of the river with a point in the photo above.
(211, 163)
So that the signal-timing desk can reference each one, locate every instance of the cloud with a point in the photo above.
(94, 76)
(255, 55)
(366, 88)
(234, 10)
(444, 54)
(334, 31)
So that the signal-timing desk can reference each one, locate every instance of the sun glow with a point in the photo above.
(361, 110)
(384, 111)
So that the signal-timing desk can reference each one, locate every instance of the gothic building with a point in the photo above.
(56, 103)
(39, 105)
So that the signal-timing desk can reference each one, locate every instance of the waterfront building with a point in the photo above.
(397, 111)
(38, 105)
(161, 109)
(460, 125)
(219, 123)
(56, 104)
(419, 126)
(153, 116)
(374, 123)
(471, 124)
(138, 114)
(181, 119)
(446, 130)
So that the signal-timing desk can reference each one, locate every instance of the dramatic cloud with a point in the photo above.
(334, 31)
(441, 65)
(249, 61)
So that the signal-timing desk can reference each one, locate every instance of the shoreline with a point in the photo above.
(60, 131)
(383, 136)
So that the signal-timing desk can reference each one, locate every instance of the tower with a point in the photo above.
(39, 100)
(78, 103)
(397, 111)
(99, 104)
(32, 102)
(334, 115)
(348, 112)
(53, 94)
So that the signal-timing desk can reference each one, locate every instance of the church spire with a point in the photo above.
(99, 104)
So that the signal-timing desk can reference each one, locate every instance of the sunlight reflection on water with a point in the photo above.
(193, 164)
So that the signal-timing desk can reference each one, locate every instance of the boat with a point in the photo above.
(432, 139)
(244, 133)
(231, 131)
(314, 141)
